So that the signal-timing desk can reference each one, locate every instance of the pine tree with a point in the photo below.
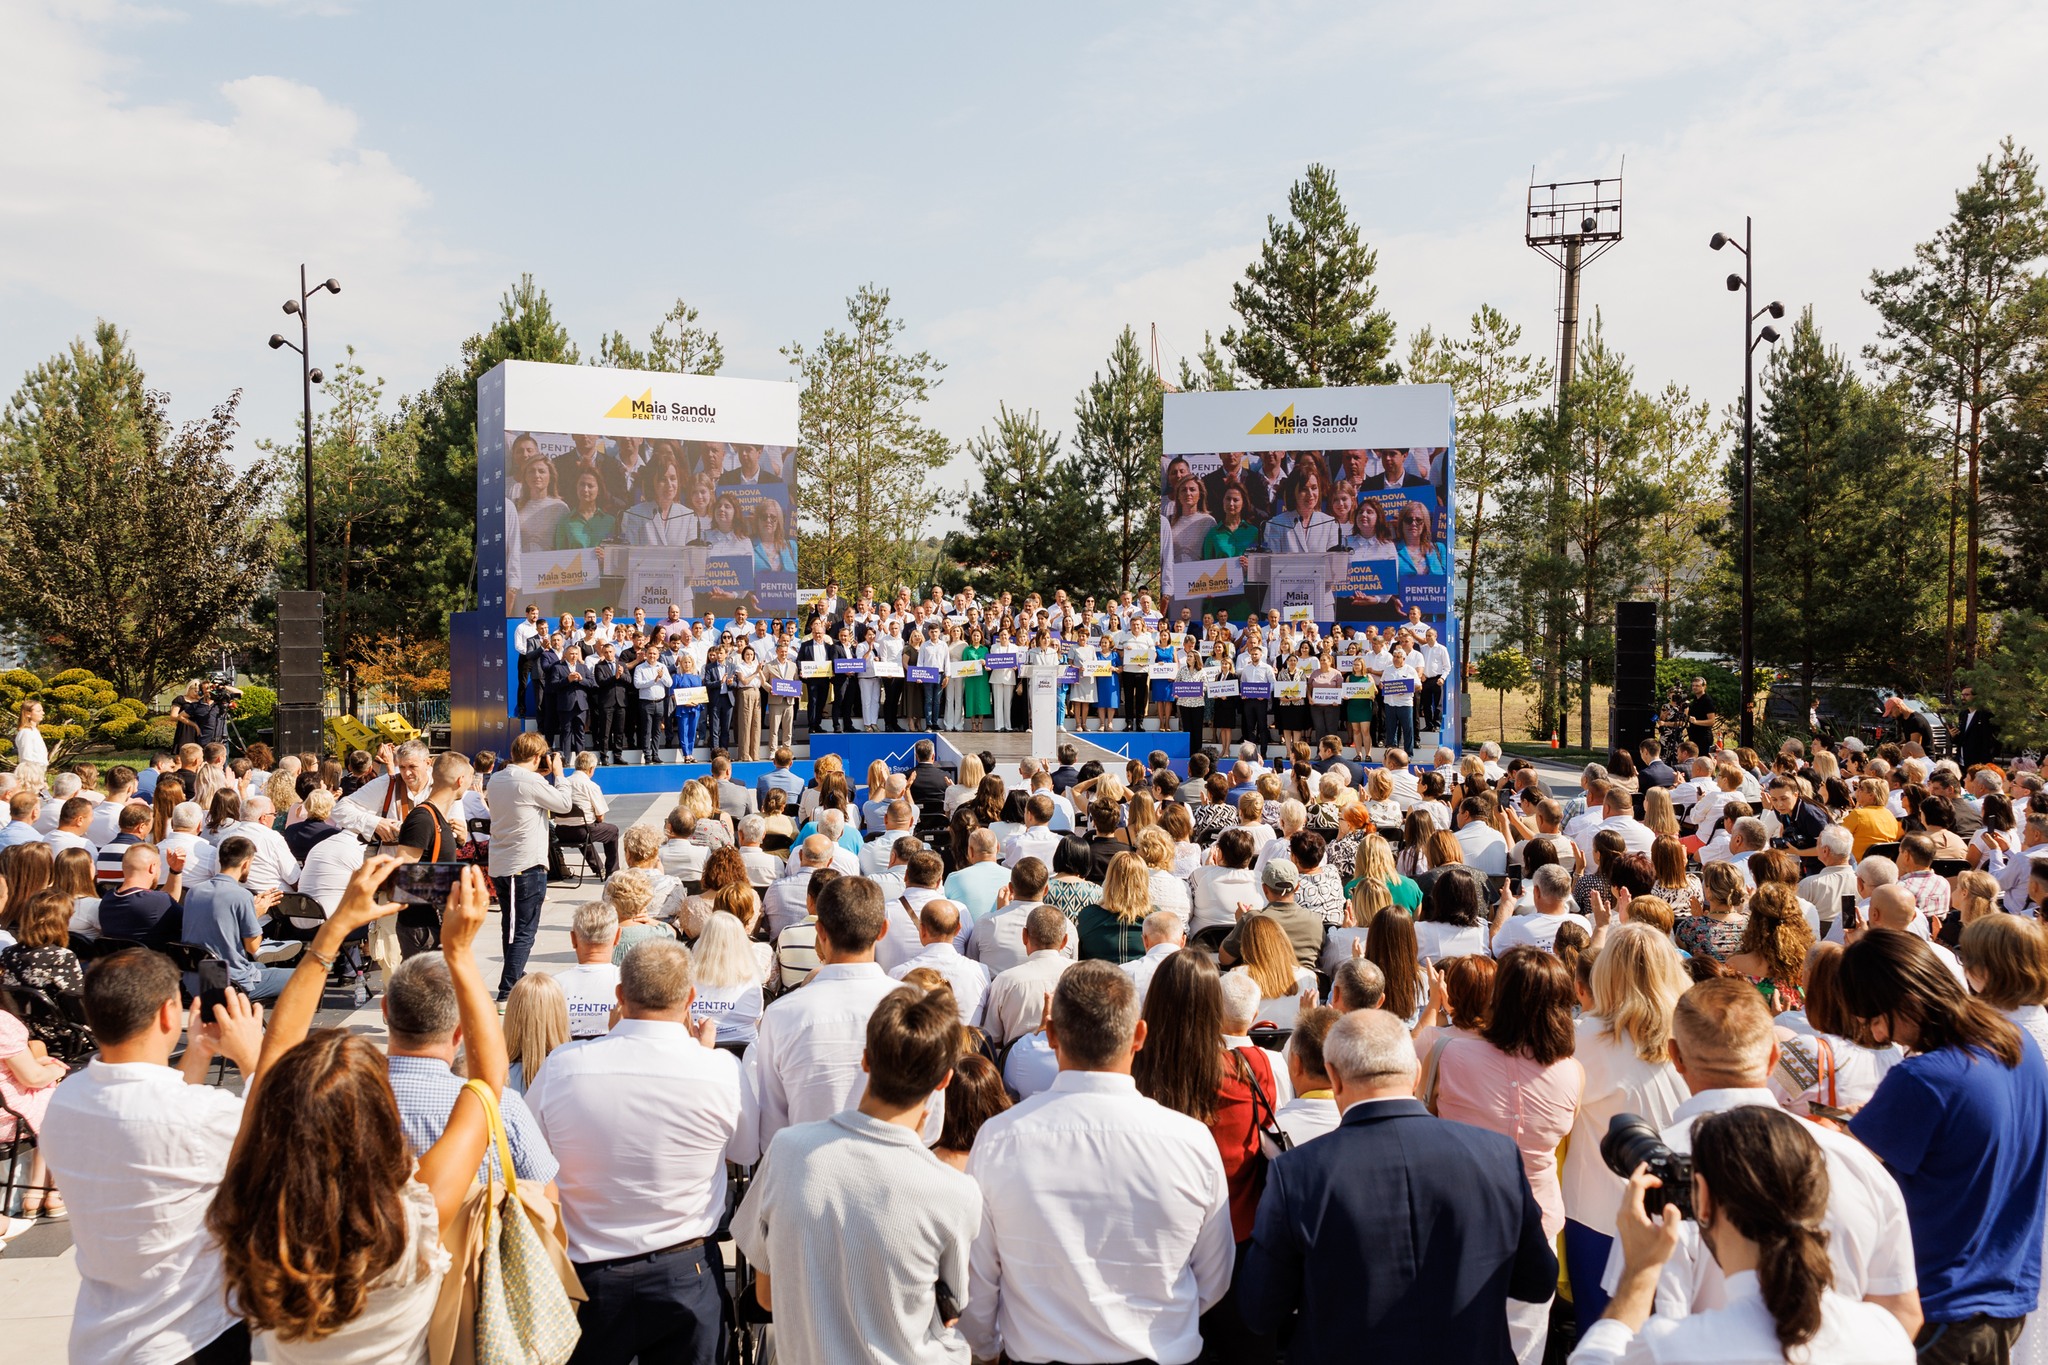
(677, 345)
(1117, 433)
(869, 477)
(1028, 520)
(97, 381)
(1685, 463)
(1309, 303)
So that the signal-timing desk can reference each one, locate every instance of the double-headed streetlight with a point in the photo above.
(1745, 284)
(311, 376)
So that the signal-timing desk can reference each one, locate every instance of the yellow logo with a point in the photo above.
(639, 409)
(574, 573)
(1214, 583)
(1269, 425)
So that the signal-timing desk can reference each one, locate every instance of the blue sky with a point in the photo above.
(1025, 179)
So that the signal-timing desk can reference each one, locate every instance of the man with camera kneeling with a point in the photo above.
(1724, 1045)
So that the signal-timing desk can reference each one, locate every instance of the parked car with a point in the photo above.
(1841, 710)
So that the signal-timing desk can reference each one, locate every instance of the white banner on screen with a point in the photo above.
(684, 407)
(1295, 419)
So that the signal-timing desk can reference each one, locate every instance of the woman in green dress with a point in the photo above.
(588, 525)
(1232, 537)
(978, 698)
(1358, 710)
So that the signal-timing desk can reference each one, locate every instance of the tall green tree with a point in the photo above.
(870, 462)
(365, 479)
(677, 345)
(1686, 459)
(1211, 371)
(130, 546)
(1848, 510)
(1960, 322)
(97, 380)
(1117, 436)
(2016, 490)
(440, 523)
(1308, 304)
(1028, 517)
(1493, 382)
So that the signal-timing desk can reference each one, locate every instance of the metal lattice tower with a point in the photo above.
(1572, 223)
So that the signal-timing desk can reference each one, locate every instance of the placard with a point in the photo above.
(1099, 668)
(853, 666)
(560, 570)
(885, 668)
(692, 696)
(1397, 691)
(814, 668)
(918, 673)
(1357, 689)
(1070, 675)
(963, 668)
(1163, 672)
(1299, 613)
(1290, 689)
(1326, 696)
(1190, 691)
(1220, 687)
(1002, 658)
(785, 687)
(1137, 658)
(1255, 691)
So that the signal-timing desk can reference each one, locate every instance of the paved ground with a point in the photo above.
(38, 1271)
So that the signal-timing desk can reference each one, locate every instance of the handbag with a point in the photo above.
(510, 1297)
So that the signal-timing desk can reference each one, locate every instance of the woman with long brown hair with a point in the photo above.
(1390, 945)
(28, 869)
(1775, 942)
(329, 1230)
(169, 792)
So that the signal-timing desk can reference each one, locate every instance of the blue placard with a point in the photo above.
(1188, 691)
(785, 687)
(1006, 658)
(1255, 691)
(1397, 691)
(1070, 675)
(917, 673)
(849, 665)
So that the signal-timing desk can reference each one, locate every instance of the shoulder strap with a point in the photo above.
(1268, 1125)
(1825, 1057)
(498, 1138)
(1429, 1071)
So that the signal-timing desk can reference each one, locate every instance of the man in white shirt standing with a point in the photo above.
(592, 985)
(1105, 1228)
(1165, 934)
(805, 1061)
(139, 1149)
(938, 925)
(641, 1120)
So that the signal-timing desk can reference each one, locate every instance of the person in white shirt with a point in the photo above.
(1312, 1112)
(1037, 839)
(106, 815)
(202, 859)
(1105, 1229)
(902, 1221)
(1618, 814)
(591, 986)
(1552, 889)
(641, 1121)
(28, 740)
(1017, 996)
(74, 818)
(1224, 882)
(1724, 1047)
(938, 926)
(63, 787)
(805, 1061)
(922, 874)
(1165, 934)
(1485, 848)
(375, 810)
(1760, 1189)
(273, 868)
(139, 1149)
(1407, 787)
(784, 901)
(898, 821)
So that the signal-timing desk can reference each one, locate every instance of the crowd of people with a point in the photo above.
(1720, 1058)
(605, 684)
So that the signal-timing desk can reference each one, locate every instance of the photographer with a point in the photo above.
(432, 828)
(1759, 1190)
(520, 797)
(1724, 1046)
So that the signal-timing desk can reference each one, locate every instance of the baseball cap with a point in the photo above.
(1280, 875)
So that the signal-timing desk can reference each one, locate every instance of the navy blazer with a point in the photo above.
(1398, 1237)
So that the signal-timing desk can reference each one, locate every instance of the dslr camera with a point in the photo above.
(221, 687)
(1631, 1141)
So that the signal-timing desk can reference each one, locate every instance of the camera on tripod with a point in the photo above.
(1631, 1141)
(222, 686)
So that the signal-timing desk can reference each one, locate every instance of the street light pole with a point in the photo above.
(309, 376)
(1745, 284)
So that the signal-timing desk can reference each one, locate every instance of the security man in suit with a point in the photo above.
(817, 649)
(574, 682)
(1976, 732)
(613, 684)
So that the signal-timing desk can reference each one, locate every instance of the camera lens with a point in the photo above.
(1631, 1142)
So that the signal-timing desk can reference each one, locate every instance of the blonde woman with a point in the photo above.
(1376, 862)
(1379, 799)
(714, 827)
(727, 974)
(1268, 959)
(536, 1023)
(1623, 1046)
(1113, 929)
(875, 809)
(631, 896)
(1659, 814)
(1167, 891)
(1251, 818)
(283, 791)
(739, 901)
(1724, 914)
(961, 792)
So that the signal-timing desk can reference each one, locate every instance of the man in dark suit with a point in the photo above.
(1066, 775)
(928, 781)
(1654, 771)
(1976, 732)
(1394, 473)
(613, 685)
(1398, 1236)
(817, 649)
(572, 689)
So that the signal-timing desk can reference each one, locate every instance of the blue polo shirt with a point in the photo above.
(1966, 1137)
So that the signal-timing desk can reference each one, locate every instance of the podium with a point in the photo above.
(1045, 708)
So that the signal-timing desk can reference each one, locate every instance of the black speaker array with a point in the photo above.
(1634, 701)
(301, 682)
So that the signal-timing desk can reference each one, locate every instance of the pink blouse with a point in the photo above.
(1530, 1104)
(30, 1104)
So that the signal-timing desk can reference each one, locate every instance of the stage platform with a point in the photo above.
(855, 750)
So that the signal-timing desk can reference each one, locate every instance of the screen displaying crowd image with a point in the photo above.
(1354, 535)
(626, 522)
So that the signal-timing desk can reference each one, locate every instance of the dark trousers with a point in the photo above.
(653, 730)
(229, 1348)
(668, 1308)
(570, 738)
(1255, 727)
(611, 730)
(845, 692)
(814, 702)
(602, 837)
(1326, 720)
(1976, 1340)
(529, 694)
(519, 899)
(1225, 1338)
(719, 729)
(417, 938)
(1431, 705)
(1137, 693)
(1191, 721)
(892, 703)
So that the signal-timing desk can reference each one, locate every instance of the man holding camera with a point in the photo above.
(521, 796)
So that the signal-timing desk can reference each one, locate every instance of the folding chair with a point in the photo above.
(573, 832)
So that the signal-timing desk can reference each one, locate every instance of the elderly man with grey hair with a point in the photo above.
(784, 903)
(1359, 984)
(1165, 934)
(1106, 1221)
(63, 787)
(1336, 1253)
(641, 1119)
(202, 859)
(1551, 892)
(591, 986)
(762, 867)
(376, 809)
(425, 1038)
(274, 867)
(1836, 879)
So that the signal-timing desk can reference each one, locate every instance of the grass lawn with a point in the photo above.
(1520, 707)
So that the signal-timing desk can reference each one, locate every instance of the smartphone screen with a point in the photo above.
(420, 883)
(1849, 911)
